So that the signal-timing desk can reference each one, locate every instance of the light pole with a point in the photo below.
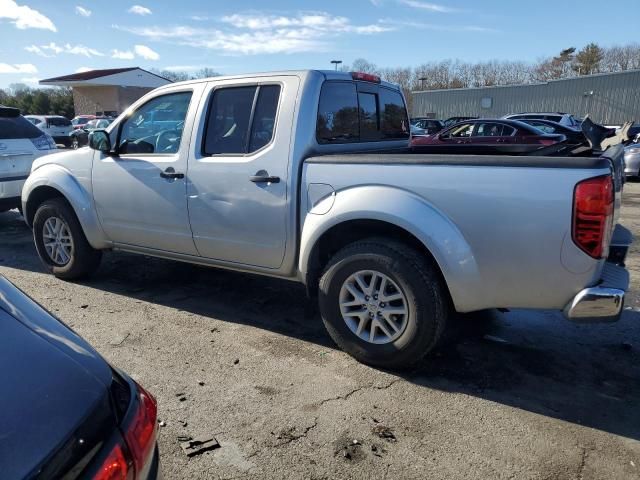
(336, 63)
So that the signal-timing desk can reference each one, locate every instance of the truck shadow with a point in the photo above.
(535, 361)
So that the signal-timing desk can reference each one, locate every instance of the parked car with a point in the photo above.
(80, 137)
(562, 118)
(417, 131)
(486, 136)
(66, 413)
(429, 125)
(547, 126)
(21, 143)
(632, 160)
(56, 126)
(283, 174)
(81, 120)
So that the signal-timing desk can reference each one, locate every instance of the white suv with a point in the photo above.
(20, 144)
(56, 126)
(562, 118)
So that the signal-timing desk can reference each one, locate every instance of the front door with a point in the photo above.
(140, 193)
(238, 172)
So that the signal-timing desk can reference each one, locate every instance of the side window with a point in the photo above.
(338, 113)
(553, 118)
(463, 130)
(508, 131)
(264, 117)
(155, 127)
(369, 125)
(230, 129)
(493, 130)
(393, 113)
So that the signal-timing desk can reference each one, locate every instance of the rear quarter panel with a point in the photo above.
(501, 235)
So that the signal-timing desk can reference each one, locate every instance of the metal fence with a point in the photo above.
(609, 98)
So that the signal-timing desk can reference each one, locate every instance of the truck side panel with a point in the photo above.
(509, 228)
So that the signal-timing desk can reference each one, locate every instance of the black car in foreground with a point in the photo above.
(65, 413)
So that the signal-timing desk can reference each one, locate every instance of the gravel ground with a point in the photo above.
(246, 359)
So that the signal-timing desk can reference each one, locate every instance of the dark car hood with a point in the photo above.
(51, 381)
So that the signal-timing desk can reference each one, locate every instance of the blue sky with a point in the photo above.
(46, 38)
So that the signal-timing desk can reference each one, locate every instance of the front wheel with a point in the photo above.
(383, 303)
(75, 144)
(61, 243)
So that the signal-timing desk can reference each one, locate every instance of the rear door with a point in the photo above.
(490, 137)
(238, 171)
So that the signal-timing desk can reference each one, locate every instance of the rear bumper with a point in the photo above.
(11, 190)
(603, 302)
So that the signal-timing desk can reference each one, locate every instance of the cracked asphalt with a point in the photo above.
(523, 395)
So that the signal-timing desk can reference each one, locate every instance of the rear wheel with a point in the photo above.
(61, 243)
(383, 303)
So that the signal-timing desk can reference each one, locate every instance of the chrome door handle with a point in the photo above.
(263, 177)
(171, 173)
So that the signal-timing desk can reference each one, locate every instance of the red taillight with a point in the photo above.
(141, 432)
(115, 466)
(548, 141)
(365, 77)
(593, 215)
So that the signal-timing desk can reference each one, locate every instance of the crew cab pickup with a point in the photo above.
(307, 176)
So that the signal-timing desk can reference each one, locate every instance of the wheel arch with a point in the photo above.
(53, 181)
(388, 212)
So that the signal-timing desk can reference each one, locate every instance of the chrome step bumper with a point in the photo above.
(603, 302)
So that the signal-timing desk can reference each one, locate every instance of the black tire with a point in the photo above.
(419, 280)
(84, 259)
(75, 144)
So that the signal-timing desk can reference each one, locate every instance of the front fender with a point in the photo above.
(74, 190)
(409, 212)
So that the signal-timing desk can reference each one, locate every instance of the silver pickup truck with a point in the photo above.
(307, 176)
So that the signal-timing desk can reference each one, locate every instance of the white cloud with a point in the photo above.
(432, 7)
(145, 52)
(84, 12)
(122, 54)
(438, 27)
(260, 34)
(139, 10)
(83, 69)
(24, 17)
(18, 68)
(52, 49)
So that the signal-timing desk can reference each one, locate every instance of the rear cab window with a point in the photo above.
(348, 113)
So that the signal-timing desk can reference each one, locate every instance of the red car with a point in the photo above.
(81, 120)
(486, 136)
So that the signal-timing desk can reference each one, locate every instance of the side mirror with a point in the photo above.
(99, 140)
